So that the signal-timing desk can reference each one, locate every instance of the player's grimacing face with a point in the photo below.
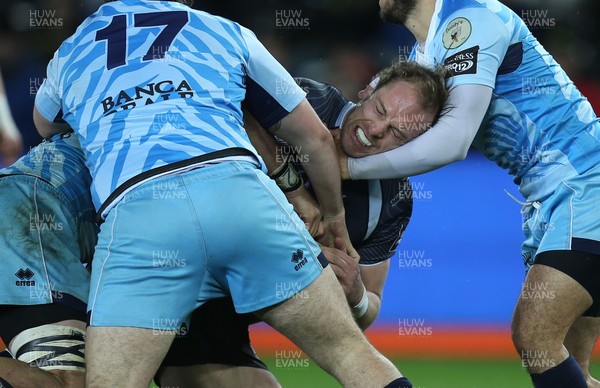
(389, 118)
(396, 11)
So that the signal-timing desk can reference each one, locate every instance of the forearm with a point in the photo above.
(323, 171)
(372, 312)
(318, 156)
(446, 142)
(373, 279)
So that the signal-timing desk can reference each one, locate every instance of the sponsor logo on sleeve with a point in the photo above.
(463, 62)
(456, 33)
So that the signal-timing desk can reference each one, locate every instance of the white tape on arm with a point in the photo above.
(361, 308)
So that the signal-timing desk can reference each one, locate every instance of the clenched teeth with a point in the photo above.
(360, 134)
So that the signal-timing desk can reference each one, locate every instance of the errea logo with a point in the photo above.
(299, 259)
(24, 275)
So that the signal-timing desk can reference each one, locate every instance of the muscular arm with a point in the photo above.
(355, 279)
(302, 128)
(446, 142)
(45, 127)
(303, 202)
(47, 113)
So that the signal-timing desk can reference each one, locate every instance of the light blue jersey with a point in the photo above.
(60, 162)
(147, 84)
(538, 125)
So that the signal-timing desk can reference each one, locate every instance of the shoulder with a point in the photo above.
(467, 21)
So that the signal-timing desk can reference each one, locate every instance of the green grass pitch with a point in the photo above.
(423, 373)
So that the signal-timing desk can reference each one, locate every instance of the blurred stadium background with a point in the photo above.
(447, 304)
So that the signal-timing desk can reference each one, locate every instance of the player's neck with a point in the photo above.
(418, 22)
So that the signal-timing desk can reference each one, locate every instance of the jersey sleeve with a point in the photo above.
(380, 247)
(271, 93)
(397, 205)
(48, 98)
(473, 44)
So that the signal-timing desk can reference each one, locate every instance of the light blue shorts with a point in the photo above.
(177, 241)
(39, 252)
(567, 220)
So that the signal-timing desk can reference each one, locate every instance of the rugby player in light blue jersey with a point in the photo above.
(154, 91)
(47, 230)
(515, 104)
(216, 351)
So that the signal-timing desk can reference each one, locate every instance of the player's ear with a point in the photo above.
(368, 90)
(365, 93)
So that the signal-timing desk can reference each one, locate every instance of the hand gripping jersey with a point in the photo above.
(538, 125)
(377, 211)
(147, 84)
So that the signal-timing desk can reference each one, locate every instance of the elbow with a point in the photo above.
(46, 128)
(318, 138)
(44, 133)
(324, 135)
(460, 154)
(449, 156)
(43, 127)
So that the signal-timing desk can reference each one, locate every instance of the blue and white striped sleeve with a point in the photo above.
(48, 97)
(271, 92)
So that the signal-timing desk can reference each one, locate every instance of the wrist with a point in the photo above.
(337, 216)
(287, 178)
(299, 192)
(360, 309)
(344, 166)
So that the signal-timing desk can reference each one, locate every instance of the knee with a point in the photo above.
(531, 335)
(524, 334)
(519, 337)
